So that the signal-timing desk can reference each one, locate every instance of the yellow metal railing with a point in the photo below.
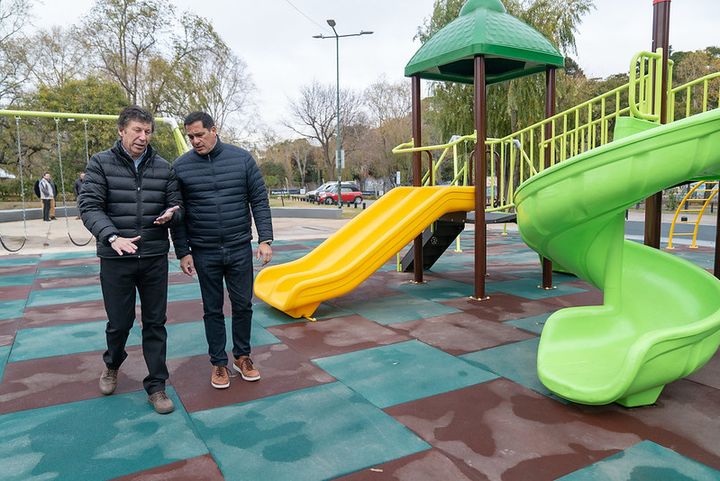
(699, 95)
(694, 205)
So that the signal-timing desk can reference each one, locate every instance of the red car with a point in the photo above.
(349, 195)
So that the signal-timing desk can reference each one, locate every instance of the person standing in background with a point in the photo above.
(77, 187)
(47, 193)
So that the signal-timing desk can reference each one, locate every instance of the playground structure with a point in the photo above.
(621, 351)
(19, 115)
(696, 202)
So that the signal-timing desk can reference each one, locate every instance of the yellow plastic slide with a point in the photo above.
(359, 248)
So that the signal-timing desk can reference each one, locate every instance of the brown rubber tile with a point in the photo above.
(202, 468)
(11, 293)
(8, 328)
(70, 313)
(335, 336)
(501, 307)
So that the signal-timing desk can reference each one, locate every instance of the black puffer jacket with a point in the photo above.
(218, 190)
(117, 199)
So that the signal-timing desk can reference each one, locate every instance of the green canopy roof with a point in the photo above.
(511, 47)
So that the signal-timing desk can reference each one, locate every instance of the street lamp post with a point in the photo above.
(338, 151)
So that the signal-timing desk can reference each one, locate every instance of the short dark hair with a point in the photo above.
(133, 112)
(204, 117)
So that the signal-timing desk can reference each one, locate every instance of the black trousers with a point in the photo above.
(46, 208)
(120, 278)
(234, 266)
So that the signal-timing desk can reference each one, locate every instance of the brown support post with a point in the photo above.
(549, 112)
(480, 179)
(417, 172)
(661, 39)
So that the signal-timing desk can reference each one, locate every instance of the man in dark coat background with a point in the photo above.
(128, 198)
(220, 184)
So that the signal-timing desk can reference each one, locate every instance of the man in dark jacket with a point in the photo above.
(77, 187)
(129, 196)
(220, 184)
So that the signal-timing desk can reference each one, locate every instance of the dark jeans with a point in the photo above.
(119, 279)
(234, 265)
(46, 208)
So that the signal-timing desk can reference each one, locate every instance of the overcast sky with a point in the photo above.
(274, 37)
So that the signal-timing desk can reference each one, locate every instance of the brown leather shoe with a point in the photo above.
(245, 367)
(161, 403)
(220, 378)
(108, 381)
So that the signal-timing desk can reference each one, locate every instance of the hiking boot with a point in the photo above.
(161, 403)
(244, 366)
(108, 381)
(220, 378)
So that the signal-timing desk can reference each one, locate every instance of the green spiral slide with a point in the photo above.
(660, 320)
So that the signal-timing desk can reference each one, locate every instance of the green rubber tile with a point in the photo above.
(533, 324)
(12, 309)
(437, 290)
(61, 256)
(4, 353)
(401, 308)
(188, 338)
(645, 461)
(88, 270)
(19, 280)
(402, 372)
(528, 288)
(97, 439)
(8, 261)
(64, 295)
(184, 292)
(268, 316)
(516, 361)
(65, 339)
(312, 434)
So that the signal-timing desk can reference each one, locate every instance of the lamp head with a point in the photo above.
(331, 22)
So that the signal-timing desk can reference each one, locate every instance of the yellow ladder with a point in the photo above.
(695, 202)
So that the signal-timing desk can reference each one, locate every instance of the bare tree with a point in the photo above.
(387, 101)
(13, 74)
(315, 112)
(54, 57)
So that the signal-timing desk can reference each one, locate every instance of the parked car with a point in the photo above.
(349, 195)
(312, 195)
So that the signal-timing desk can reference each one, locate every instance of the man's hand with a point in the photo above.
(187, 265)
(167, 215)
(125, 245)
(264, 252)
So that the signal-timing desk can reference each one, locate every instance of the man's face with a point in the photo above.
(46, 176)
(82, 176)
(202, 139)
(135, 137)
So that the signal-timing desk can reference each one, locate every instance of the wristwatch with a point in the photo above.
(112, 238)
(268, 242)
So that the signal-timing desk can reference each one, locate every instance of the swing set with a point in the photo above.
(18, 115)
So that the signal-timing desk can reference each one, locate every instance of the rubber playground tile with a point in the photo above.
(14, 292)
(126, 436)
(438, 290)
(381, 284)
(461, 333)
(529, 289)
(18, 270)
(16, 280)
(83, 270)
(267, 316)
(709, 374)
(64, 295)
(188, 338)
(4, 354)
(501, 307)
(13, 261)
(592, 297)
(12, 309)
(66, 339)
(645, 461)
(402, 372)
(431, 465)
(8, 327)
(313, 434)
(70, 313)
(186, 311)
(71, 255)
(282, 370)
(335, 336)
(532, 324)
(64, 282)
(399, 308)
(500, 430)
(516, 361)
(55, 380)
(201, 468)
(184, 292)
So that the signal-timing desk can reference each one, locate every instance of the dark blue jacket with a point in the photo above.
(118, 199)
(219, 190)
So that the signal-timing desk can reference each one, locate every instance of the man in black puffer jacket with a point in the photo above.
(129, 197)
(220, 183)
